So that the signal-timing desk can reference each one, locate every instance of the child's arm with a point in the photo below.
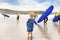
(35, 22)
(28, 22)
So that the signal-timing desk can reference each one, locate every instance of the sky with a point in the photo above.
(34, 5)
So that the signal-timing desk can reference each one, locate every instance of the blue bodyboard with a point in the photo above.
(55, 19)
(5, 15)
(46, 13)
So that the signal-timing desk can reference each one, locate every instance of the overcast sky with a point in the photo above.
(29, 4)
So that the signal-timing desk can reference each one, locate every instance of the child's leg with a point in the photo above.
(29, 34)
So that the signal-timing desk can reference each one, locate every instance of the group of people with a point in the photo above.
(5, 15)
(31, 21)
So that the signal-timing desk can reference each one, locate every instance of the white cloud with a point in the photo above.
(27, 5)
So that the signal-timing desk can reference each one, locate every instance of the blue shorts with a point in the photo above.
(29, 29)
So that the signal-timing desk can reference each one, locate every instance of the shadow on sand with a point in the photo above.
(44, 33)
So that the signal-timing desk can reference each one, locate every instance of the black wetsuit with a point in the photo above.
(45, 20)
(59, 18)
(17, 17)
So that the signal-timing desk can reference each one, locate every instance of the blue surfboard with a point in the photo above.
(55, 19)
(5, 15)
(46, 13)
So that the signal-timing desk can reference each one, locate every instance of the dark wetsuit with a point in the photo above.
(59, 18)
(45, 20)
(17, 17)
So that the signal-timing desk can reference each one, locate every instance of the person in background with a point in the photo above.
(17, 16)
(59, 22)
(4, 14)
(35, 16)
(59, 17)
(45, 24)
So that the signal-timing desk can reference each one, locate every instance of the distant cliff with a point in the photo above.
(20, 12)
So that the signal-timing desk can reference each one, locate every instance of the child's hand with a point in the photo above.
(38, 25)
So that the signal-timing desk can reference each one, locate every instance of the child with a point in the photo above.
(30, 24)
